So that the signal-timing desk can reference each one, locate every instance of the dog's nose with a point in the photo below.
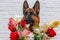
(26, 19)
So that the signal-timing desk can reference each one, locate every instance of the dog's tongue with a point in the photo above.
(27, 25)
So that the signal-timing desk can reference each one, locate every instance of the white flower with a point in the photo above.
(36, 30)
(30, 37)
(17, 18)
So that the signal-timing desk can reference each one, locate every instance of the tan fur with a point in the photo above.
(35, 18)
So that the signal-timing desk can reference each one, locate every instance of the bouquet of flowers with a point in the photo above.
(18, 29)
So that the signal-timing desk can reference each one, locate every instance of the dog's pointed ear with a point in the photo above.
(25, 6)
(36, 6)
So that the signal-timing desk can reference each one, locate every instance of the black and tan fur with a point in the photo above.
(31, 15)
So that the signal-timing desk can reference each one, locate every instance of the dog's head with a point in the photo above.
(31, 15)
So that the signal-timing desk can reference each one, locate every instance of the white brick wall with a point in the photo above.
(50, 9)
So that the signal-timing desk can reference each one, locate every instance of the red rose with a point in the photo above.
(22, 23)
(13, 36)
(12, 25)
(12, 29)
(51, 32)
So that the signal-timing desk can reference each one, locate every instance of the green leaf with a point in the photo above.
(37, 36)
(21, 38)
(40, 36)
(20, 27)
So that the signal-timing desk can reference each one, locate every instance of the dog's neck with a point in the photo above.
(34, 26)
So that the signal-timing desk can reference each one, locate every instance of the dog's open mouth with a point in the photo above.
(29, 23)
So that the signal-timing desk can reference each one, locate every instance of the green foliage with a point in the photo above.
(20, 27)
(37, 36)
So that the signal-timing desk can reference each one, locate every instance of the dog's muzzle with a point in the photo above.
(29, 20)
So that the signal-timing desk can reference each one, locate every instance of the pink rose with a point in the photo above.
(26, 32)
(12, 22)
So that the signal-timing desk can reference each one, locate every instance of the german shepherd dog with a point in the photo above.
(31, 15)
